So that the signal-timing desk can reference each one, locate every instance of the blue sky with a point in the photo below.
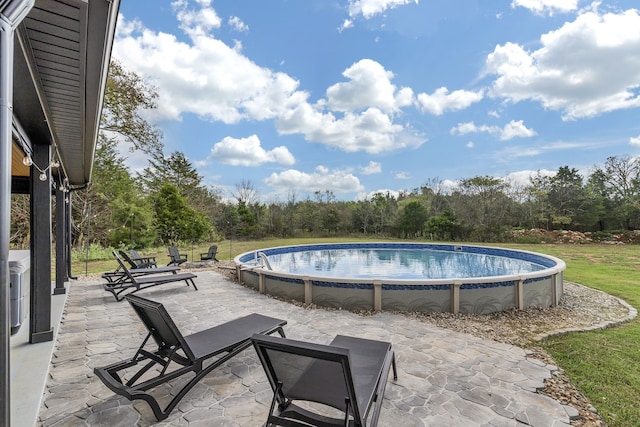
(359, 96)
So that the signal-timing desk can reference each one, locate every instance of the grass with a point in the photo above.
(604, 365)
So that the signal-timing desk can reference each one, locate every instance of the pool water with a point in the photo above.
(398, 264)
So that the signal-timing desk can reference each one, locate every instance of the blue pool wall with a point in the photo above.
(477, 295)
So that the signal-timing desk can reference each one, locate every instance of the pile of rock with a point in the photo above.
(577, 237)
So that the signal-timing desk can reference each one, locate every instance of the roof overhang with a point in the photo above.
(61, 61)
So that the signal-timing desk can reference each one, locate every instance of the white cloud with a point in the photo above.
(508, 154)
(371, 168)
(369, 85)
(513, 129)
(635, 141)
(441, 100)
(584, 69)
(516, 129)
(196, 22)
(206, 77)
(447, 186)
(401, 175)
(237, 24)
(523, 178)
(370, 8)
(365, 107)
(190, 74)
(470, 127)
(135, 160)
(371, 131)
(322, 179)
(542, 7)
(470, 144)
(248, 152)
(348, 23)
(382, 192)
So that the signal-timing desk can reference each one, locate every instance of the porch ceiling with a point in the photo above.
(62, 52)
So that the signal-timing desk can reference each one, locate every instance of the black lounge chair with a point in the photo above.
(177, 355)
(119, 276)
(134, 283)
(142, 261)
(175, 257)
(133, 261)
(210, 255)
(350, 375)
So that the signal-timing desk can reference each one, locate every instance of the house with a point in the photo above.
(54, 59)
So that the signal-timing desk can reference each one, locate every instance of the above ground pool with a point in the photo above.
(405, 276)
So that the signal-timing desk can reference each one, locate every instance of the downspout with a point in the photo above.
(12, 12)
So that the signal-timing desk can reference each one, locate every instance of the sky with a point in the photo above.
(357, 96)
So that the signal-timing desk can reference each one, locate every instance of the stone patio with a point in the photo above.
(445, 378)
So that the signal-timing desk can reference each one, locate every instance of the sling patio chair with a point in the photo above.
(119, 276)
(177, 355)
(347, 378)
(134, 262)
(175, 257)
(134, 283)
(210, 255)
(142, 261)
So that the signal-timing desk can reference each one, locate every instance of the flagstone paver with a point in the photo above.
(445, 378)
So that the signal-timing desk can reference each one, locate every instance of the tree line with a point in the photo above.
(168, 204)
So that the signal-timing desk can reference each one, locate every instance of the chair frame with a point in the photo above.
(170, 343)
(283, 412)
(142, 261)
(118, 276)
(210, 255)
(134, 263)
(134, 282)
(176, 257)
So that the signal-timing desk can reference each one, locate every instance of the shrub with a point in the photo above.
(94, 252)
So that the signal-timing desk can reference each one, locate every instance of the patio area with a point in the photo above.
(445, 378)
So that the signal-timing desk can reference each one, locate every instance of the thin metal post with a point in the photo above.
(6, 94)
(87, 242)
(68, 212)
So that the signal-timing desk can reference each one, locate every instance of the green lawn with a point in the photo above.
(604, 365)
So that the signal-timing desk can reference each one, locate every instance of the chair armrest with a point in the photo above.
(145, 258)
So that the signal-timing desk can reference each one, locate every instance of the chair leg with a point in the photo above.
(393, 364)
(347, 403)
(382, 384)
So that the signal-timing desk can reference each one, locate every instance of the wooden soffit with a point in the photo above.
(17, 167)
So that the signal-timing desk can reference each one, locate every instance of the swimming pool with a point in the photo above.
(405, 276)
